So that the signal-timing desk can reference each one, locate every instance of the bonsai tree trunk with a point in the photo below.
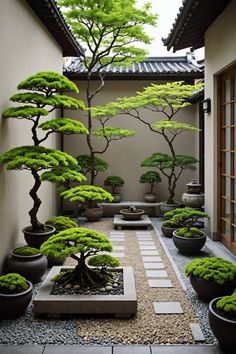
(37, 202)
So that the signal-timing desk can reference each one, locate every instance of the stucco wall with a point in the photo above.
(220, 53)
(124, 156)
(26, 48)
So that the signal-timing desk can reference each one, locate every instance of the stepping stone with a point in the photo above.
(146, 243)
(167, 307)
(117, 233)
(197, 332)
(118, 248)
(118, 255)
(143, 248)
(160, 283)
(145, 238)
(152, 259)
(117, 239)
(156, 274)
(153, 265)
(143, 233)
(150, 253)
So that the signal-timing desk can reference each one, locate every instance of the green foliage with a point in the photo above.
(112, 132)
(64, 126)
(227, 304)
(61, 223)
(26, 251)
(12, 283)
(214, 269)
(86, 164)
(189, 232)
(188, 217)
(63, 175)
(173, 126)
(36, 157)
(165, 161)
(114, 182)
(150, 177)
(171, 213)
(47, 82)
(86, 193)
(24, 112)
(171, 223)
(104, 261)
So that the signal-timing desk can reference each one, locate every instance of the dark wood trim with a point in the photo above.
(201, 151)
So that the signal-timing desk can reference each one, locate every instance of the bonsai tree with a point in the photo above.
(188, 219)
(26, 251)
(151, 178)
(228, 305)
(43, 90)
(81, 244)
(114, 182)
(13, 283)
(61, 223)
(166, 100)
(110, 30)
(90, 166)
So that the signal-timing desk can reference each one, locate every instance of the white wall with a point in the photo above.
(125, 156)
(220, 53)
(26, 48)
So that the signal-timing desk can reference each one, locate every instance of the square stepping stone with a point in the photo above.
(118, 248)
(152, 259)
(117, 239)
(160, 283)
(146, 243)
(117, 233)
(156, 274)
(153, 265)
(150, 253)
(118, 255)
(143, 248)
(197, 332)
(143, 233)
(167, 307)
(145, 238)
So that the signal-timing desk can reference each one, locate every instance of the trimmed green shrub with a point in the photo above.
(172, 213)
(150, 177)
(103, 261)
(12, 283)
(188, 218)
(227, 304)
(214, 269)
(61, 223)
(26, 251)
(171, 223)
(192, 232)
(114, 182)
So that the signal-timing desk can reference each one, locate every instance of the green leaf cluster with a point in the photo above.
(27, 112)
(85, 162)
(189, 232)
(112, 132)
(26, 251)
(12, 283)
(104, 261)
(171, 213)
(61, 223)
(63, 175)
(173, 125)
(227, 304)
(189, 217)
(64, 126)
(114, 181)
(214, 269)
(165, 161)
(171, 223)
(87, 193)
(152, 177)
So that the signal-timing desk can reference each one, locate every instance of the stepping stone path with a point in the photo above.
(117, 236)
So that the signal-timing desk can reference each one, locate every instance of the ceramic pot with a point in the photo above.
(36, 239)
(31, 267)
(15, 305)
(167, 207)
(150, 197)
(168, 231)
(208, 290)
(93, 214)
(132, 216)
(193, 200)
(222, 326)
(116, 197)
(189, 245)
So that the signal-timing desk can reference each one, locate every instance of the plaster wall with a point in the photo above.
(220, 53)
(125, 156)
(26, 48)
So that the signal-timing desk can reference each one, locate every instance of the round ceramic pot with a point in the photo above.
(15, 305)
(36, 239)
(116, 197)
(168, 231)
(189, 245)
(167, 207)
(208, 290)
(132, 216)
(193, 200)
(150, 197)
(31, 267)
(93, 214)
(222, 326)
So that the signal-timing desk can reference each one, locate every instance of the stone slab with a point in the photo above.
(153, 265)
(21, 349)
(197, 332)
(117, 239)
(124, 305)
(150, 253)
(185, 349)
(69, 349)
(156, 274)
(143, 233)
(152, 259)
(119, 221)
(160, 283)
(118, 248)
(131, 350)
(167, 307)
(143, 248)
(146, 243)
(116, 254)
(144, 238)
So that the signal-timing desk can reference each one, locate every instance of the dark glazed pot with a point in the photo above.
(223, 327)
(164, 207)
(208, 290)
(189, 245)
(15, 305)
(93, 214)
(36, 239)
(168, 231)
(31, 267)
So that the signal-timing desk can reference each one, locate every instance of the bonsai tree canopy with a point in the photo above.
(150, 177)
(61, 223)
(88, 165)
(114, 182)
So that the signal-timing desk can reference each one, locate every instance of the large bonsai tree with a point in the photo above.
(109, 30)
(166, 100)
(82, 244)
(43, 95)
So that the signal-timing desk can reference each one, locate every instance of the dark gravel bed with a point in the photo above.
(200, 308)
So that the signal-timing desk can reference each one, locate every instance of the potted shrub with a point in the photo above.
(114, 182)
(189, 239)
(89, 196)
(43, 90)
(211, 277)
(132, 213)
(28, 262)
(151, 178)
(91, 166)
(169, 226)
(222, 319)
(15, 295)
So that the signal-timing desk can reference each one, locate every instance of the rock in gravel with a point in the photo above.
(68, 286)
(108, 288)
(102, 289)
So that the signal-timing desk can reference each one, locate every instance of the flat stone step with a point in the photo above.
(167, 307)
(153, 265)
(150, 253)
(156, 274)
(143, 248)
(160, 283)
(146, 243)
(118, 248)
(197, 332)
(152, 259)
(119, 222)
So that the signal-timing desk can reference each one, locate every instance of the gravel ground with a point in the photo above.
(145, 328)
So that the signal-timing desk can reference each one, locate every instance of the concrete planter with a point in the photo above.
(120, 306)
(116, 197)
(150, 197)
(189, 245)
(93, 214)
(168, 231)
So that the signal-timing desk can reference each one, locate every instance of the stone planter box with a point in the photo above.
(120, 306)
